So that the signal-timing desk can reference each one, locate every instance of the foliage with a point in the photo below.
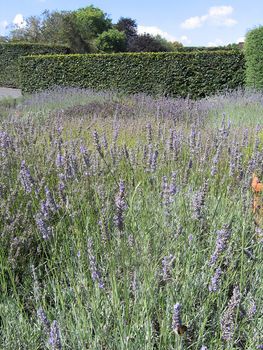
(91, 22)
(147, 43)
(196, 74)
(175, 45)
(89, 30)
(3, 39)
(254, 57)
(10, 54)
(128, 26)
(31, 32)
(75, 29)
(111, 41)
(126, 222)
(205, 48)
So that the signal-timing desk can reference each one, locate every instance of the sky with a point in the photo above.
(192, 22)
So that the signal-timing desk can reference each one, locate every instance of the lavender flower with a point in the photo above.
(215, 280)
(95, 273)
(5, 140)
(154, 161)
(43, 226)
(221, 243)
(176, 323)
(104, 141)
(44, 209)
(199, 202)
(216, 161)
(252, 309)
(54, 336)
(97, 142)
(26, 178)
(43, 319)
(85, 156)
(149, 133)
(168, 193)
(120, 207)
(203, 347)
(103, 224)
(50, 201)
(228, 318)
(167, 265)
(173, 189)
(60, 160)
(61, 189)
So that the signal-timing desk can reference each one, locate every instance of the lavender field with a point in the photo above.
(127, 222)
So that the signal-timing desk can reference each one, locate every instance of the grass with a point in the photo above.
(105, 232)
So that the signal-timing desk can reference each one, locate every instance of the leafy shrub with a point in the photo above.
(10, 53)
(254, 57)
(111, 41)
(196, 74)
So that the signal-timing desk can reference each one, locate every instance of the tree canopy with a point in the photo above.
(89, 30)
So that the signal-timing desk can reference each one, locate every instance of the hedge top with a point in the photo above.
(32, 45)
(140, 54)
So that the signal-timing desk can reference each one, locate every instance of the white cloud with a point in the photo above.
(192, 23)
(217, 15)
(185, 40)
(241, 39)
(19, 21)
(220, 10)
(3, 26)
(217, 42)
(153, 30)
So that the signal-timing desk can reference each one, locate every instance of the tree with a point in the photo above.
(32, 31)
(128, 26)
(61, 28)
(111, 41)
(91, 21)
(175, 45)
(3, 39)
(147, 43)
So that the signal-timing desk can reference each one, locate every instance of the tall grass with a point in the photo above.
(114, 209)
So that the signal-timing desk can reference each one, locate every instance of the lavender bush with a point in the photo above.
(125, 205)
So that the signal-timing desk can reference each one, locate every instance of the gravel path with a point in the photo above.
(8, 92)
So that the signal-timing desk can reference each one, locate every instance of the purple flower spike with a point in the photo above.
(221, 244)
(229, 316)
(176, 317)
(54, 336)
(26, 178)
(215, 280)
(120, 207)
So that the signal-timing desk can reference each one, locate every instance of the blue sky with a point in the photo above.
(193, 22)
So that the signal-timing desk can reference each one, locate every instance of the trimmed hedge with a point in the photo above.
(254, 58)
(174, 74)
(204, 48)
(11, 52)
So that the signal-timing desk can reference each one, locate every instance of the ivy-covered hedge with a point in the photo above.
(11, 52)
(254, 58)
(196, 74)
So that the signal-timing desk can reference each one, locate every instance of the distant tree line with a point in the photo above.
(88, 30)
